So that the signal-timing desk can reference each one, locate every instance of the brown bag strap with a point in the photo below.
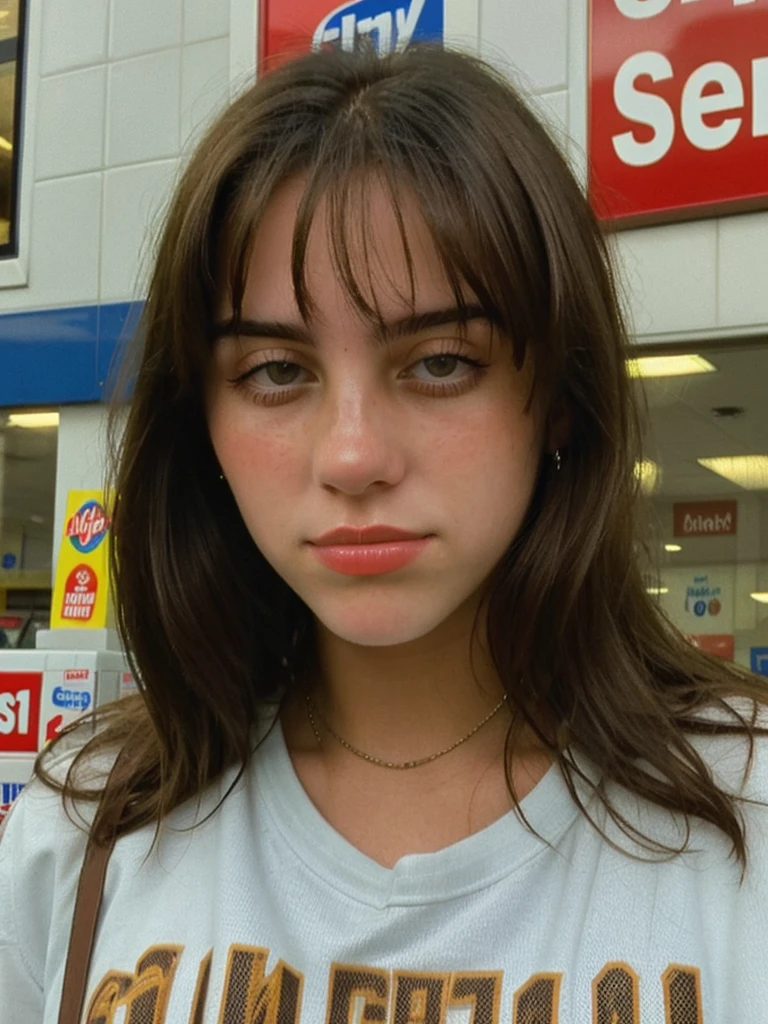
(85, 917)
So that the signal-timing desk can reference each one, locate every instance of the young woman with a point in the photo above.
(413, 744)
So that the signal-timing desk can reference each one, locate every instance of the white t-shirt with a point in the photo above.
(266, 914)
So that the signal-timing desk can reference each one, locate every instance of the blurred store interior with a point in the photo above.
(28, 441)
(706, 477)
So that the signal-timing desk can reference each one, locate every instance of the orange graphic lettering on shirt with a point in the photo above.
(538, 1000)
(347, 984)
(373, 995)
(682, 995)
(144, 994)
(251, 996)
(616, 995)
(481, 990)
(420, 998)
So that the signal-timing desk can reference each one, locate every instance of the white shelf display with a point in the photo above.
(42, 691)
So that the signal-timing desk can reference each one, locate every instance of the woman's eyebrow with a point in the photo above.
(413, 323)
(246, 328)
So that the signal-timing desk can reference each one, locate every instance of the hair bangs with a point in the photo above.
(486, 247)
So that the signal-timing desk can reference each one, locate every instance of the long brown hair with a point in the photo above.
(212, 632)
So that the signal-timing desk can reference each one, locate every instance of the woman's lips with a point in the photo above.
(370, 559)
(377, 533)
(368, 550)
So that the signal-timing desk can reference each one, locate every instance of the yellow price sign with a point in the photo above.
(81, 590)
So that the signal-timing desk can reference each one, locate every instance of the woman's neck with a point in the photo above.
(400, 704)
(409, 701)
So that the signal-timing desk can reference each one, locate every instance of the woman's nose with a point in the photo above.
(357, 444)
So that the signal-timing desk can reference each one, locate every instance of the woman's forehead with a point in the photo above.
(385, 247)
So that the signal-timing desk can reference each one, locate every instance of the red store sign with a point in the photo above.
(678, 107)
(722, 645)
(20, 711)
(704, 518)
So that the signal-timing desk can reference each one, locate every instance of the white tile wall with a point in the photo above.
(671, 274)
(204, 86)
(743, 264)
(74, 34)
(143, 114)
(553, 108)
(141, 26)
(205, 19)
(123, 86)
(134, 200)
(70, 123)
(66, 215)
(532, 35)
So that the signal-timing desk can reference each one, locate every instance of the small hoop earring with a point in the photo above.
(558, 460)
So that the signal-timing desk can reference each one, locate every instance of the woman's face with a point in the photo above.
(326, 424)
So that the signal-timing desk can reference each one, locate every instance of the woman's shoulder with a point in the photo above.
(732, 740)
(46, 823)
(42, 845)
(738, 764)
(729, 744)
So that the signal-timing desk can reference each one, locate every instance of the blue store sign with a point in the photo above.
(758, 657)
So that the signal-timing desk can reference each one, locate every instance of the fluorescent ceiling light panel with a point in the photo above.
(668, 366)
(747, 471)
(672, 547)
(33, 419)
(761, 596)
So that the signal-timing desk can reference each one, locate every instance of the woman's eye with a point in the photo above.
(272, 375)
(278, 373)
(442, 365)
(272, 382)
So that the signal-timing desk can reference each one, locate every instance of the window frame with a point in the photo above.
(10, 249)
(14, 270)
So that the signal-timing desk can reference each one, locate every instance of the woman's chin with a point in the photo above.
(378, 624)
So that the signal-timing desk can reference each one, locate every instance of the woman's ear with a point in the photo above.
(560, 427)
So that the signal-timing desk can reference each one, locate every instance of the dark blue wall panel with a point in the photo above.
(61, 356)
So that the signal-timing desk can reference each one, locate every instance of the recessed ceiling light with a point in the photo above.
(761, 596)
(672, 547)
(668, 366)
(748, 471)
(647, 472)
(657, 590)
(33, 419)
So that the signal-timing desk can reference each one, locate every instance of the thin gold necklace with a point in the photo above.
(397, 765)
